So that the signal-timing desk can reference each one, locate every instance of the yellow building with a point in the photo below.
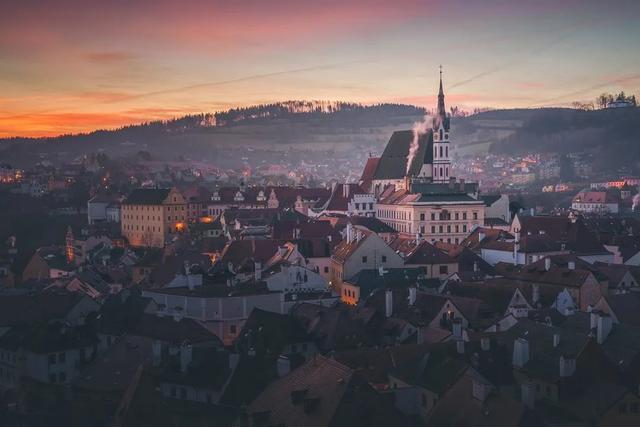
(151, 216)
(436, 212)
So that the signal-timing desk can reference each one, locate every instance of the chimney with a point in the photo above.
(381, 271)
(567, 366)
(349, 232)
(345, 190)
(452, 182)
(485, 343)
(456, 327)
(604, 327)
(593, 317)
(556, 339)
(481, 236)
(460, 346)
(536, 294)
(520, 352)
(532, 212)
(257, 268)
(462, 187)
(413, 291)
(284, 365)
(186, 356)
(528, 394)
(571, 265)
(418, 238)
(157, 352)
(388, 303)
(547, 264)
(475, 266)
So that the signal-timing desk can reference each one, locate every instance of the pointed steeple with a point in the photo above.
(442, 112)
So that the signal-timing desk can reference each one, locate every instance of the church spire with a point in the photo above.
(442, 113)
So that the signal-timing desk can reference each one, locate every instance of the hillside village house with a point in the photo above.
(152, 216)
(361, 249)
(595, 202)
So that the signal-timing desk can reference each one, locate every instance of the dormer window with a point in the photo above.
(215, 197)
(261, 197)
(238, 197)
(446, 136)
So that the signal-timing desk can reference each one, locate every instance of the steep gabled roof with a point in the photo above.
(393, 163)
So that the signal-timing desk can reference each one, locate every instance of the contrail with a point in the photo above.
(553, 42)
(204, 85)
(239, 79)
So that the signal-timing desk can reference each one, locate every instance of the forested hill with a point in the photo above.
(613, 135)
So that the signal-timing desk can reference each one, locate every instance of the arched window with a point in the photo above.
(446, 151)
(440, 134)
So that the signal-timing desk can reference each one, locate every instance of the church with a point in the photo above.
(413, 154)
(412, 182)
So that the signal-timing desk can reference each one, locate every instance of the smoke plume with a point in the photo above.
(636, 202)
(419, 129)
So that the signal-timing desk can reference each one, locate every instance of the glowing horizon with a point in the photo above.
(71, 67)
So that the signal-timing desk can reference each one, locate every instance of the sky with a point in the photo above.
(69, 66)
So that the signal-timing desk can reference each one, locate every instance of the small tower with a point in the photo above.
(441, 159)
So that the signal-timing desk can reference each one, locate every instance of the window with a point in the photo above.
(364, 259)
(62, 357)
(422, 217)
(433, 229)
(232, 329)
(384, 258)
(326, 269)
(357, 206)
(433, 217)
(464, 215)
(440, 229)
(444, 269)
(294, 348)
(464, 228)
(475, 215)
(52, 359)
(62, 377)
(457, 215)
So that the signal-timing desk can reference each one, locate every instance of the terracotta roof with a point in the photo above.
(368, 172)
(345, 249)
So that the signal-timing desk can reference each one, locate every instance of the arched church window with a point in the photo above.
(440, 134)
(441, 151)
(446, 149)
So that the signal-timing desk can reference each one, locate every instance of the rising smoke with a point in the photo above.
(636, 202)
(419, 129)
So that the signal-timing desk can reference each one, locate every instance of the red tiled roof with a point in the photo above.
(369, 170)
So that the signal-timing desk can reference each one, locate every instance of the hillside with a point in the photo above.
(340, 127)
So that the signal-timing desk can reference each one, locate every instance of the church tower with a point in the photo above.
(441, 146)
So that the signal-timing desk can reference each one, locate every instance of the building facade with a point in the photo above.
(150, 217)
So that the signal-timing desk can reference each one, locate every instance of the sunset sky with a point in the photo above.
(78, 65)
